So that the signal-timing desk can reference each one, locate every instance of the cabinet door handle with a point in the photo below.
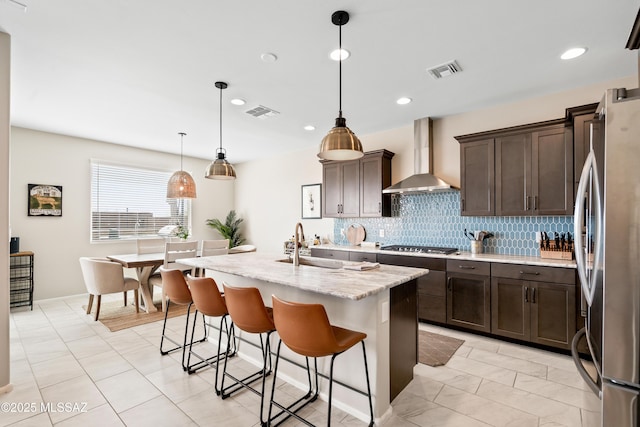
(526, 202)
(466, 267)
(449, 283)
(526, 294)
(462, 201)
(379, 207)
(535, 203)
(533, 295)
(535, 273)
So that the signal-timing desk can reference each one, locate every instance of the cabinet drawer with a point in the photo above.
(412, 261)
(468, 267)
(535, 272)
(329, 253)
(362, 256)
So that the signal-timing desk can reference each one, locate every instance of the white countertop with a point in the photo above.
(339, 283)
(507, 259)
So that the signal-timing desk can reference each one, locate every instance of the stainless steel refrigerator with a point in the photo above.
(607, 246)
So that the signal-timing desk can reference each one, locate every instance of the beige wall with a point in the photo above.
(5, 68)
(268, 190)
(45, 158)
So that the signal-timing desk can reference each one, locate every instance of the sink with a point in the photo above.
(315, 262)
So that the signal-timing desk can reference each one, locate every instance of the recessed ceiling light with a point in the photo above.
(340, 54)
(268, 57)
(573, 53)
(238, 101)
(403, 101)
(309, 127)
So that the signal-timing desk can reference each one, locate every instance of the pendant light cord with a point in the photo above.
(221, 118)
(182, 134)
(340, 70)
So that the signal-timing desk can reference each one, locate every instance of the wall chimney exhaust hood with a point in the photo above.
(422, 181)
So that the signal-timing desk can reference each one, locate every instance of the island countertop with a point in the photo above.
(337, 282)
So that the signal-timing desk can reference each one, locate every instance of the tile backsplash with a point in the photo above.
(434, 220)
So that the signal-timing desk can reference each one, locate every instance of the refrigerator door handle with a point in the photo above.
(588, 171)
(593, 384)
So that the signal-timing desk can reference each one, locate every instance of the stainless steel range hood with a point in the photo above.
(422, 181)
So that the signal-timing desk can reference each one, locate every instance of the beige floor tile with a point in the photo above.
(159, 411)
(485, 410)
(24, 403)
(56, 370)
(126, 390)
(40, 420)
(104, 365)
(103, 416)
(482, 369)
(88, 346)
(584, 399)
(444, 417)
(449, 376)
(72, 397)
(46, 349)
(501, 361)
(178, 385)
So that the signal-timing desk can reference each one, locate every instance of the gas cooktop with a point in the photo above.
(419, 249)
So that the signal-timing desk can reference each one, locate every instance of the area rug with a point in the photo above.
(116, 317)
(436, 349)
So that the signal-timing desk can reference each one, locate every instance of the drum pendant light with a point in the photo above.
(220, 168)
(340, 143)
(181, 184)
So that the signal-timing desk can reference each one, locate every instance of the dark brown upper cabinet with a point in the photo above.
(579, 120)
(531, 172)
(477, 178)
(353, 188)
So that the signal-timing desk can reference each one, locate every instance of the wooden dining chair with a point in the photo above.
(214, 247)
(150, 246)
(173, 253)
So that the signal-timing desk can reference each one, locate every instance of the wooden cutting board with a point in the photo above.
(356, 234)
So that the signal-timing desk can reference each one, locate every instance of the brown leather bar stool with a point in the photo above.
(177, 292)
(249, 314)
(210, 302)
(305, 329)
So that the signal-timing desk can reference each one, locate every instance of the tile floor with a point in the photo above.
(60, 355)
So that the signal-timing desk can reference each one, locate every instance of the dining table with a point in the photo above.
(145, 265)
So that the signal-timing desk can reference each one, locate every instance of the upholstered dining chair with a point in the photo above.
(102, 276)
(173, 253)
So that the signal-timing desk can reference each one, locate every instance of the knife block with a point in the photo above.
(564, 252)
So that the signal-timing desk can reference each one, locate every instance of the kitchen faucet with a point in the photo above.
(296, 247)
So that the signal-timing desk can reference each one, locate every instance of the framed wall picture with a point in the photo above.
(312, 201)
(44, 200)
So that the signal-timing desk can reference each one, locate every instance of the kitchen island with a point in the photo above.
(380, 302)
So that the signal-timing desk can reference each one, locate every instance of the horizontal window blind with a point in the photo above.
(129, 202)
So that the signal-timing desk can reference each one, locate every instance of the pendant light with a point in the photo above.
(340, 143)
(181, 185)
(220, 168)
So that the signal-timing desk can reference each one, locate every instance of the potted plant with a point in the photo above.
(230, 229)
(181, 232)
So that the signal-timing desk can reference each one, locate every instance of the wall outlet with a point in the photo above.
(381, 232)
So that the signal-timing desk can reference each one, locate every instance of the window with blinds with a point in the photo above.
(129, 202)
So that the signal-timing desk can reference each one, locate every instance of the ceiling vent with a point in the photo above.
(444, 70)
(262, 112)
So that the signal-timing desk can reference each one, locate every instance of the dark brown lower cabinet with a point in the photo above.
(403, 336)
(532, 310)
(432, 292)
(469, 295)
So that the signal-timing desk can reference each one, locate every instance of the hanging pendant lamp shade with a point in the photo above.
(340, 143)
(220, 168)
(181, 185)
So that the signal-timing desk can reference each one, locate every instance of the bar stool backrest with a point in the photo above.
(304, 328)
(247, 309)
(175, 286)
(206, 296)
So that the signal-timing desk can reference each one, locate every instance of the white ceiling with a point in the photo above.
(138, 72)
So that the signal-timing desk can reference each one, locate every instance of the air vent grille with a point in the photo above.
(262, 112)
(444, 70)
